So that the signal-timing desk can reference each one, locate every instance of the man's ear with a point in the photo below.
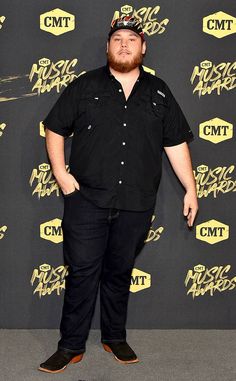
(144, 47)
(107, 45)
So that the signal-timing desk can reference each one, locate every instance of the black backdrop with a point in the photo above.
(182, 278)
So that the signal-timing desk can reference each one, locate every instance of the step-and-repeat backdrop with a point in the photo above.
(182, 278)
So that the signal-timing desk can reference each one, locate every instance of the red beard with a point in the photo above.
(124, 67)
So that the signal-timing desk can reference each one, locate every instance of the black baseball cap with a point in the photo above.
(127, 22)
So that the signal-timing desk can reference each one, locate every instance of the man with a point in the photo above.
(122, 119)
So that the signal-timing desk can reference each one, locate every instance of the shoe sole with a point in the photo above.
(74, 360)
(108, 349)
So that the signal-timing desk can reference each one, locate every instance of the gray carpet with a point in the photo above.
(165, 355)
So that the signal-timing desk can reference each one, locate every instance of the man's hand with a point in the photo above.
(55, 148)
(190, 207)
(180, 160)
(67, 183)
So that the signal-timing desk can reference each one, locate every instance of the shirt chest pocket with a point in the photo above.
(92, 108)
(157, 106)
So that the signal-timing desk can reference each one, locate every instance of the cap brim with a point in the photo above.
(126, 27)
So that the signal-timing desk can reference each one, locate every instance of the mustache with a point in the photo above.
(124, 51)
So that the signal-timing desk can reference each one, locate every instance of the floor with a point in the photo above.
(165, 355)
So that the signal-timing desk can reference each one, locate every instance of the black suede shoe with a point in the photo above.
(59, 361)
(122, 352)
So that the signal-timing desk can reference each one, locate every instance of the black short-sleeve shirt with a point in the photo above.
(117, 144)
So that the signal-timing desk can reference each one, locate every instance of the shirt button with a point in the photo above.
(120, 182)
(123, 143)
(125, 106)
(89, 127)
(122, 162)
(120, 90)
(124, 124)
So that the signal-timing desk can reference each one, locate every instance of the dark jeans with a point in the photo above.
(100, 245)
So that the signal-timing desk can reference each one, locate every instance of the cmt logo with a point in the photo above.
(216, 130)
(3, 230)
(41, 129)
(212, 231)
(139, 280)
(45, 267)
(44, 62)
(42, 133)
(2, 19)
(2, 128)
(126, 9)
(219, 24)
(57, 22)
(206, 64)
(44, 167)
(149, 70)
(52, 231)
(202, 168)
(199, 268)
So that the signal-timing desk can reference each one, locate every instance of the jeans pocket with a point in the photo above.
(71, 193)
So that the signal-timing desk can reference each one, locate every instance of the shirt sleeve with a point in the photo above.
(176, 128)
(62, 115)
